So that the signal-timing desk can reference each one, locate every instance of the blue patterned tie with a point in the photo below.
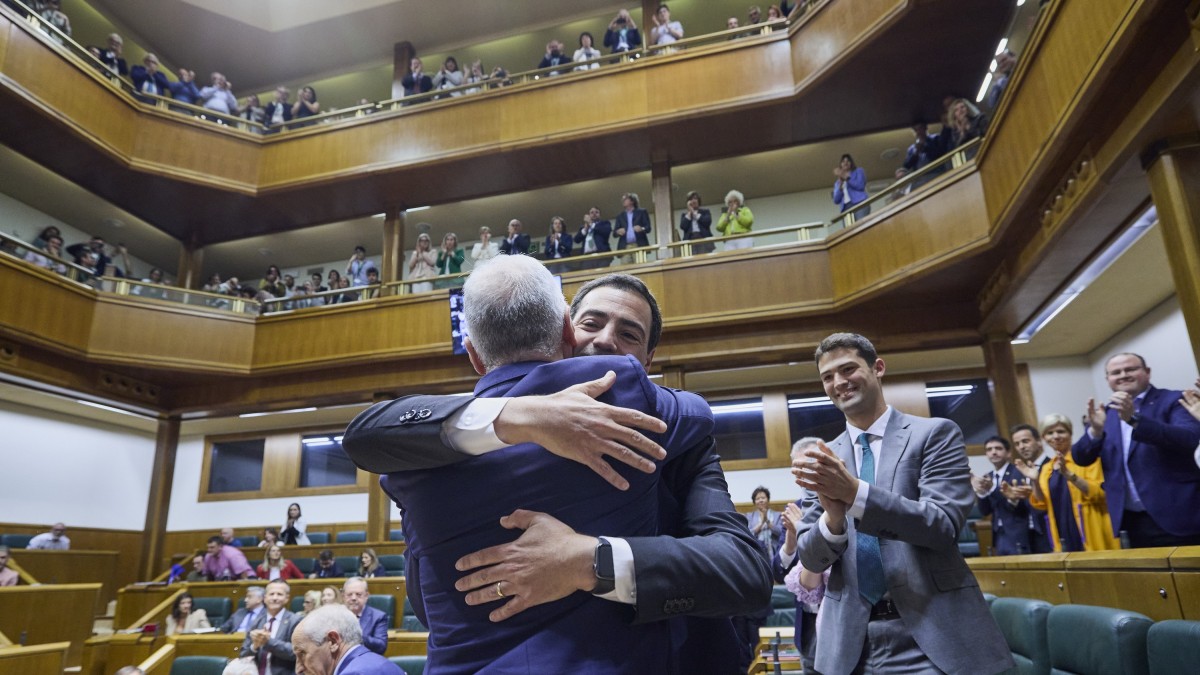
(871, 581)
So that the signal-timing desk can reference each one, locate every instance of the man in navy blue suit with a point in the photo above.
(574, 631)
(1010, 517)
(1145, 441)
(1027, 444)
(631, 226)
(373, 622)
(329, 642)
(515, 243)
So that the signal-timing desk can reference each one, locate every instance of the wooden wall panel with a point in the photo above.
(195, 150)
(127, 544)
(842, 27)
(45, 614)
(72, 567)
(54, 313)
(1149, 592)
(170, 335)
(106, 654)
(43, 659)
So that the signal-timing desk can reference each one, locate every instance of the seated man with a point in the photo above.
(228, 538)
(244, 618)
(8, 577)
(197, 573)
(54, 540)
(329, 641)
(269, 641)
(372, 621)
(327, 567)
(225, 562)
(559, 635)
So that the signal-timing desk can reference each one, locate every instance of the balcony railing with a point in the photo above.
(144, 290)
(42, 259)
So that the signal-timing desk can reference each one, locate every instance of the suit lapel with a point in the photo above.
(895, 444)
(842, 447)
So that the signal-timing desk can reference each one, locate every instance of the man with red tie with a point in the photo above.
(269, 641)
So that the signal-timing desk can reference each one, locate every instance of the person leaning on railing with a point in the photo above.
(966, 124)
(736, 220)
(53, 248)
(586, 52)
(622, 34)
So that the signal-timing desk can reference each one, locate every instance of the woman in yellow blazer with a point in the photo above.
(1070, 494)
(737, 219)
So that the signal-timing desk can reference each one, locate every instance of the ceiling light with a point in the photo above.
(277, 412)
(415, 209)
(983, 90)
(109, 408)
(1002, 46)
(380, 215)
(811, 402)
(737, 408)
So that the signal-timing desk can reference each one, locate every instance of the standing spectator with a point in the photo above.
(8, 576)
(317, 286)
(275, 566)
(225, 562)
(55, 17)
(736, 219)
(356, 269)
(1005, 62)
(449, 260)
(476, 77)
(416, 81)
(593, 235)
(343, 283)
(273, 283)
(253, 111)
(622, 34)
(228, 538)
(786, 8)
(515, 243)
(185, 90)
(54, 540)
(665, 31)
(214, 284)
(586, 52)
(809, 589)
(773, 13)
(44, 236)
(327, 567)
(218, 96)
(558, 244)
(369, 565)
(422, 264)
(278, 112)
(306, 106)
(730, 24)
(485, 249)
(499, 77)
(101, 262)
(1010, 517)
(269, 641)
(850, 187)
(241, 620)
(334, 281)
(1027, 445)
(148, 79)
(1145, 438)
(966, 124)
(184, 619)
(448, 76)
(372, 621)
(197, 573)
(1073, 495)
(765, 524)
(754, 15)
(925, 148)
(294, 526)
(632, 225)
(53, 248)
(554, 57)
(110, 56)
(696, 223)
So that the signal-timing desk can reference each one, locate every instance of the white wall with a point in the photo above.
(188, 513)
(80, 472)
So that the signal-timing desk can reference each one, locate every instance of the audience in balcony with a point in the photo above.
(925, 148)
(754, 15)
(101, 263)
(696, 223)
(110, 55)
(54, 16)
(449, 76)
(416, 81)
(53, 247)
(1072, 495)
(966, 124)
(665, 31)
(622, 34)
(586, 52)
(485, 249)
(156, 278)
(632, 226)
(306, 106)
(294, 525)
(450, 258)
(476, 77)
(555, 56)
(333, 280)
(218, 96)
(44, 236)
(184, 619)
(422, 264)
(327, 567)
(253, 110)
(185, 90)
(736, 220)
(369, 565)
(773, 13)
(148, 79)
(279, 111)
(515, 243)
(8, 576)
(850, 187)
(273, 282)
(786, 8)
(557, 244)
(1005, 62)
(356, 268)
(593, 237)
(275, 566)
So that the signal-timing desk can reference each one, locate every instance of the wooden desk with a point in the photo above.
(47, 659)
(1139, 580)
(73, 567)
(49, 614)
(1185, 567)
(105, 654)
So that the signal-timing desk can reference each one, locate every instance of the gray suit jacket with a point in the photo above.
(283, 659)
(920, 499)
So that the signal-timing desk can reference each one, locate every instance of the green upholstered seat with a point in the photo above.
(1088, 640)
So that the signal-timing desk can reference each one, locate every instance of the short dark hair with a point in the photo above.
(359, 248)
(216, 539)
(1001, 440)
(695, 194)
(861, 345)
(325, 555)
(590, 37)
(372, 270)
(1024, 427)
(762, 489)
(630, 284)
(847, 156)
(661, 7)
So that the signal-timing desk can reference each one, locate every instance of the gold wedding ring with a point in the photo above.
(499, 592)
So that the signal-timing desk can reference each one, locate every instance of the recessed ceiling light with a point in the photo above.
(264, 252)
(113, 222)
(890, 154)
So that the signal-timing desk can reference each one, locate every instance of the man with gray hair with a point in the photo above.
(244, 618)
(372, 621)
(329, 641)
(521, 334)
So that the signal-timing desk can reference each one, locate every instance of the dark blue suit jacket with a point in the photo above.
(1161, 461)
(520, 245)
(621, 222)
(1010, 524)
(600, 235)
(559, 636)
(374, 625)
(362, 661)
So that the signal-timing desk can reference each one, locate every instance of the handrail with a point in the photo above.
(367, 292)
(164, 655)
(144, 290)
(25, 576)
(4, 641)
(161, 607)
(956, 158)
(802, 231)
(68, 269)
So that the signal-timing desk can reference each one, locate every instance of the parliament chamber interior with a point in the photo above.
(202, 288)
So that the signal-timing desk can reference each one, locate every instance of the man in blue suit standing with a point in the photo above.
(329, 642)
(631, 226)
(373, 622)
(578, 631)
(1145, 440)
(884, 504)
(1010, 517)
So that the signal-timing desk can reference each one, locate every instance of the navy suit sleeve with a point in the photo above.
(1086, 450)
(375, 637)
(1177, 432)
(385, 438)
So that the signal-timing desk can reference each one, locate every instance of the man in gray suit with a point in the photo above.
(269, 641)
(883, 507)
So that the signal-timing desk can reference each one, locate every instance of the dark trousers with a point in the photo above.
(746, 628)
(1143, 532)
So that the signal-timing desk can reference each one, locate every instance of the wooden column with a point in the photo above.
(660, 193)
(672, 377)
(1175, 186)
(1007, 401)
(191, 267)
(159, 503)
(379, 505)
(649, 9)
(402, 56)
(393, 245)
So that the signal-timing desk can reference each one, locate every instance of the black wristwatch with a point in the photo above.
(602, 567)
(1134, 419)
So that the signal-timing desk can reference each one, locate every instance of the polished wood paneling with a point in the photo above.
(170, 335)
(54, 312)
(45, 614)
(72, 567)
(105, 655)
(127, 544)
(1151, 593)
(45, 659)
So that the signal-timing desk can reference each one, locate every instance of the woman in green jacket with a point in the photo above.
(736, 220)
(449, 261)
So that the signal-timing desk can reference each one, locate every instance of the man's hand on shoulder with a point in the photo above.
(548, 562)
(574, 425)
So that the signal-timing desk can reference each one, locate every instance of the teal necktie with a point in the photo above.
(871, 581)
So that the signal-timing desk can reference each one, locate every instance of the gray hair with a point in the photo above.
(514, 311)
(353, 580)
(861, 345)
(734, 194)
(256, 590)
(336, 618)
(806, 442)
(243, 666)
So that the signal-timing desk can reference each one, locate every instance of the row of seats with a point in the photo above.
(16, 540)
(220, 609)
(1081, 639)
(347, 537)
(394, 564)
(214, 665)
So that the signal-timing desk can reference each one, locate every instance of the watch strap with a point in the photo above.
(603, 568)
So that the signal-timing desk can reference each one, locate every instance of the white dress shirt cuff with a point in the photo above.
(859, 507)
(785, 559)
(626, 584)
(471, 430)
(829, 536)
